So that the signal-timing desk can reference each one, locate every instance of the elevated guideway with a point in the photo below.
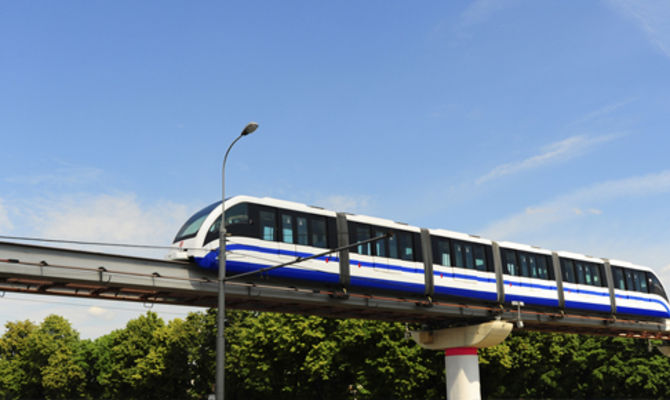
(63, 272)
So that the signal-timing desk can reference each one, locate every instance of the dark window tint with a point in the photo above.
(579, 273)
(532, 265)
(441, 251)
(318, 225)
(469, 256)
(393, 246)
(381, 244)
(363, 233)
(480, 257)
(596, 275)
(192, 225)
(287, 228)
(302, 230)
(619, 278)
(582, 272)
(640, 279)
(267, 225)
(405, 248)
(568, 270)
(237, 214)
(523, 263)
(543, 267)
(510, 263)
(459, 256)
(630, 281)
(655, 286)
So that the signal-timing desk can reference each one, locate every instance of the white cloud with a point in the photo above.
(101, 313)
(108, 218)
(480, 11)
(62, 173)
(554, 152)
(601, 112)
(651, 17)
(344, 203)
(577, 204)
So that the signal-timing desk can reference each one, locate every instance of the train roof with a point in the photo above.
(301, 207)
(524, 247)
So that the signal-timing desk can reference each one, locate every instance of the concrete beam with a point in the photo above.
(482, 335)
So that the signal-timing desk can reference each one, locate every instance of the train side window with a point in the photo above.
(568, 270)
(619, 279)
(480, 257)
(630, 282)
(640, 281)
(511, 266)
(523, 262)
(380, 245)
(542, 268)
(655, 286)
(405, 246)
(441, 254)
(302, 229)
(237, 214)
(287, 228)
(532, 265)
(393, 246)
(363, 233)
(596, 274)
(579, 273)
(469, 256)
(267, 225)
(458, 255)
(588, 275)
(318, 228)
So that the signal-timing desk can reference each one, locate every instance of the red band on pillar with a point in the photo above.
(461, 351)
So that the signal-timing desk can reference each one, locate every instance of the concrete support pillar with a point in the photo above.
(460, 354)
(462, 368)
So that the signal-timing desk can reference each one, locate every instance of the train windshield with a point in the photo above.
(191, 227)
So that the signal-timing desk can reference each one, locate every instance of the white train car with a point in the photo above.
(412, 262)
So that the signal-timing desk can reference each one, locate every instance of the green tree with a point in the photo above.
(47, 361)
(119, 367)
(294, 357)
(14, 360)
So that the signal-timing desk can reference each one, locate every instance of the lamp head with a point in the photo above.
(251, 126)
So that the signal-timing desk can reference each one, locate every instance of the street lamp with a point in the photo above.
(221, 313)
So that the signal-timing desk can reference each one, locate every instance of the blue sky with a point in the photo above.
(538, 122)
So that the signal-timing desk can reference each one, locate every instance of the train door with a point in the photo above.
(570, 285)
(362, 265)
(382, 262)
(268, 250)
(470, 270)
(513, 281)
(303, 235)
(533, 287)
(401, 270)
(443, 270)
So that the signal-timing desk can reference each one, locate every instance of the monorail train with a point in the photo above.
(412, 262)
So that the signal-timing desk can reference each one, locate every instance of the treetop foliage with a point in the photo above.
(287, 356)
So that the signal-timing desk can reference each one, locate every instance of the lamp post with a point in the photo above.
(221, 311)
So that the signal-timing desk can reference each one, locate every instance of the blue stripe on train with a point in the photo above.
(210, 261)
(641, 311)
(474, 294)
(580, 305)
(530, 285)
(238, 267)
